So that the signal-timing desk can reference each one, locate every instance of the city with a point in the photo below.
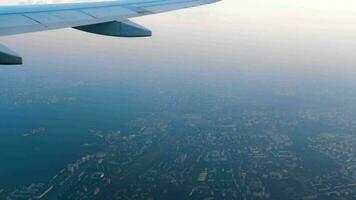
(247, 153)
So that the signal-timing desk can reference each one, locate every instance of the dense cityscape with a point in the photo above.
(211, 149)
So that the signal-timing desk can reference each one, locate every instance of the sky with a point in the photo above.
(297, 36)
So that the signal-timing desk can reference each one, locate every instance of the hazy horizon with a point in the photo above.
(286, 36)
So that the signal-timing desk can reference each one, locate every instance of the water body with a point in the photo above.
(43, 131)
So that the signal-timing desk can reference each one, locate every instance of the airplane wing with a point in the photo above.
(105, 18)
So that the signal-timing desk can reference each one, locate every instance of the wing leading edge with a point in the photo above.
(105, 18)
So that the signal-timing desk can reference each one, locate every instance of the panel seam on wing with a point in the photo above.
(28, 17)
(88, 14)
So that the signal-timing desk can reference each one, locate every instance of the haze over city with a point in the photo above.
(234, 100)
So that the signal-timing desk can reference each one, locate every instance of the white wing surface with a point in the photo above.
(105, 18)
